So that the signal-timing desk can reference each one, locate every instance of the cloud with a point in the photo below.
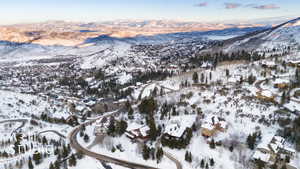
(232, 5)
(268, 6)
(203, 4)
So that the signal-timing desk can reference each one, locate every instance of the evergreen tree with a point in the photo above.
(231, 148)
(146, 152)
(202, 163)
(51, 166)
(159, 154)
(212, 162)
(212, 144)
(30, 165)
(195, 77)
(111, 127)
(36, 158)
(148, 106)
(72, 160)
(153, 130)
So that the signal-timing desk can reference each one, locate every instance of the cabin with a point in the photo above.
(177, 127)
(269, 64)
(265, 95)
(101, 127)
(212, 125)
(272, 148)
(175, 131)
(137, 131)
(281, 83)
(294, 63)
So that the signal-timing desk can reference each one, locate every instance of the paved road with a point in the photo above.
(169, 156)
(74, 143)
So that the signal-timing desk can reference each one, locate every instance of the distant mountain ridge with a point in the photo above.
(284, 35)
(72, 34)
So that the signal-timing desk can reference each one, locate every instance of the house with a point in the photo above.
(268, 64)
(137, 131)
(273, 148)
(177, 127)
(294, 63)
(266, 95)
(174, 131)
(101, 127)
(212, 125)
(281, 83)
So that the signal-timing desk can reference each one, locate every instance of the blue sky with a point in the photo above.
(20, 11)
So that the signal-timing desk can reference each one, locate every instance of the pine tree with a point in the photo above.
(212, 144)
(206, 166)
(30, 165)
(202, 163)
(186, 157)
(159, 154)
(37, 158)
(130, 113)
(51, 166)
(146, 152)
(202, 78)
(212, 162)
(72, 160)
(231, 148)
(283, 98)
(153, 129)
(111, 127)
(195, 77)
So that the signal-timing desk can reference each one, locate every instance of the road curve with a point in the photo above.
(169, 156)
(74, 144)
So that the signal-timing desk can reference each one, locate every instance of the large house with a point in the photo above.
(177, 127)
(269, 64)
(137, 131)
(266, 95)
(294, 63)
(101, 127)
(281, 83)
(273, 148)
(212, 125)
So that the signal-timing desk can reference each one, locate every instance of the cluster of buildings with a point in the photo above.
(137, 131)
(273, 149)
(212, 125)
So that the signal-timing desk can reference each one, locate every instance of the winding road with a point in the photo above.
(74, 144)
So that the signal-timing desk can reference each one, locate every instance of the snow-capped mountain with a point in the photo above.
(95, 51)
(286, 35)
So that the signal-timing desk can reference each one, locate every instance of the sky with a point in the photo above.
(27, 11)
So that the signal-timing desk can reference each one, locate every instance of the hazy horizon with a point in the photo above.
(206, 11)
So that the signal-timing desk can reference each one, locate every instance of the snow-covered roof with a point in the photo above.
(290, 149)
(233, 80)
(267, 93)
(80, 107)
(292, 106)
(144, 131)
(175, 130)
(261, 156)
(265, 141)
(208, 126)
(269, 63)
(223, 124)
(133, 126)
(280, 81)
(294, 61)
